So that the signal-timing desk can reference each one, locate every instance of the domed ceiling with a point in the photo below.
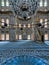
(24, 8)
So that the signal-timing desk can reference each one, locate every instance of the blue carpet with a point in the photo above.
(24, 60)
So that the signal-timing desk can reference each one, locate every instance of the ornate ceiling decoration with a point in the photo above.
(24, 8)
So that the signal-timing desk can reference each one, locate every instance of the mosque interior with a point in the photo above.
(24, 32)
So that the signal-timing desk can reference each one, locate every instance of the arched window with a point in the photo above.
(28, 37)
(24, 25)
(28, 25)
(41, 20)
(19, 25)
(46, 36)
(45, 3)
(2, 36)
(2, 3)
(45, 23)
(20, 37)
(2, 9)
(7, 21)
(7, 3)
(2, 22)
(7, 36)
(41, 3)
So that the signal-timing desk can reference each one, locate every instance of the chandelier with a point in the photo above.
(24, 8)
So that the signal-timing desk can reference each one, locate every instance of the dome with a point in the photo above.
(20, 6)
(24, 60)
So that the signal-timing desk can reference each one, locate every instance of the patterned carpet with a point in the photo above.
(23, 53)
(24, 60)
